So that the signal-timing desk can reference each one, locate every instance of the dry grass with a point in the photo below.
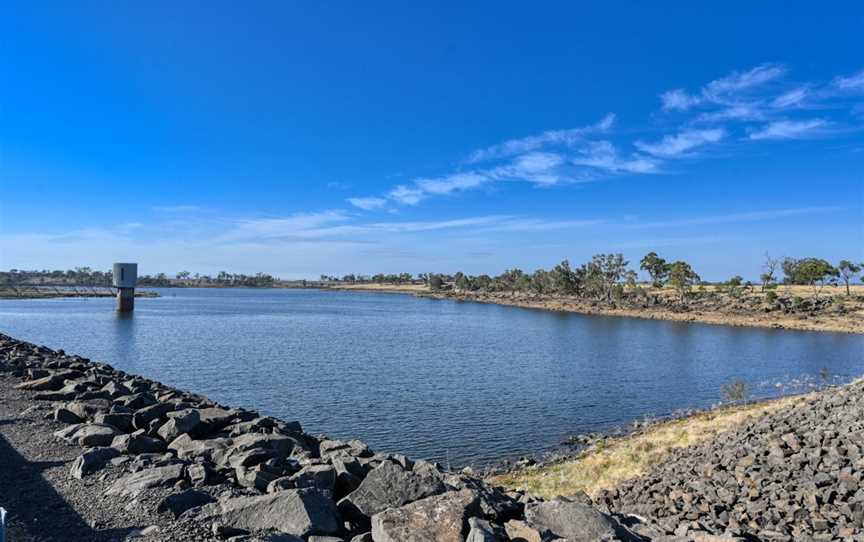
(612, 461)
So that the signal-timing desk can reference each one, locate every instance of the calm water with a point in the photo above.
(451, 381)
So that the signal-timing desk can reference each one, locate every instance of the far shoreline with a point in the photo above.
(766, 320)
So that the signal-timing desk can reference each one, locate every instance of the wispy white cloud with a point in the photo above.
(368, 204)
(675, 145)
(793, 98)
(854, 82)
(452, 183)
(739, 112)
(729, 87)
(406, 195)
(790, 129)
(604, 156)
(725, 91)
(566, 137)
(679, 100)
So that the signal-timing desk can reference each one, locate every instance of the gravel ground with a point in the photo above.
(45, 503)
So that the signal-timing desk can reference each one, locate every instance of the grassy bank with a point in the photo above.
(610, 461)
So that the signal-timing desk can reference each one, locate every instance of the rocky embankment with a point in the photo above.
(152, 461)
(796, 474)
(88, 452)
(822, 314)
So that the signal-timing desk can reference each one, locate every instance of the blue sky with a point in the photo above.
(362, 137)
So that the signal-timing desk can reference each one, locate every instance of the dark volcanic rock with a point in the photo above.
(575, 522)
(299, 512)
(91, 461)
(440, 518)
(317, 476)
(795, 474)
(134, 483)
(179, 423)
(183, 501)
(144, 416)
(137, 443)
(389, 486)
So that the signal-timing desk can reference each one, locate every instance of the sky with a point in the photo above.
(346, 137)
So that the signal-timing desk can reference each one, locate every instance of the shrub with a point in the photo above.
(771, 296)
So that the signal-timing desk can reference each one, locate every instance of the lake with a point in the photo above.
(457, 382)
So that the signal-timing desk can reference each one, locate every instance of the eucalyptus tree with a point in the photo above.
(656, 267)
(769, 268)
(848, 271)
(682, 278)
(816, 273)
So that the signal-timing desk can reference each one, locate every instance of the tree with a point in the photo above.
(435, 282)
(790, 270)
(848, 271)
(461, 281)
(682, 278)
(768, 276)
(542, 282)
(607, 271)
(816, 273)
(656, 267)
(565, 280)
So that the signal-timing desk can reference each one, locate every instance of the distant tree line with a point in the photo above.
(380, 278)
(605, 278)
(608, 277)
(90, 277)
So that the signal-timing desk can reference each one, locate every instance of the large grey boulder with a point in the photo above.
(480, 530)
(574, 521)
(116, 389)
(143, 417)
(187, 448)
(91, 461)
(135, 483)
(299, 512)
(215, 418)
(179, 423)
(86, 410)
(179, 503)
(88, 435)
(317, 476)
(262, 446)
(63, 415)
(48, 383)
(137, 443)
(254, 478)
(440, 518)
(120, 420)
(389, 486)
